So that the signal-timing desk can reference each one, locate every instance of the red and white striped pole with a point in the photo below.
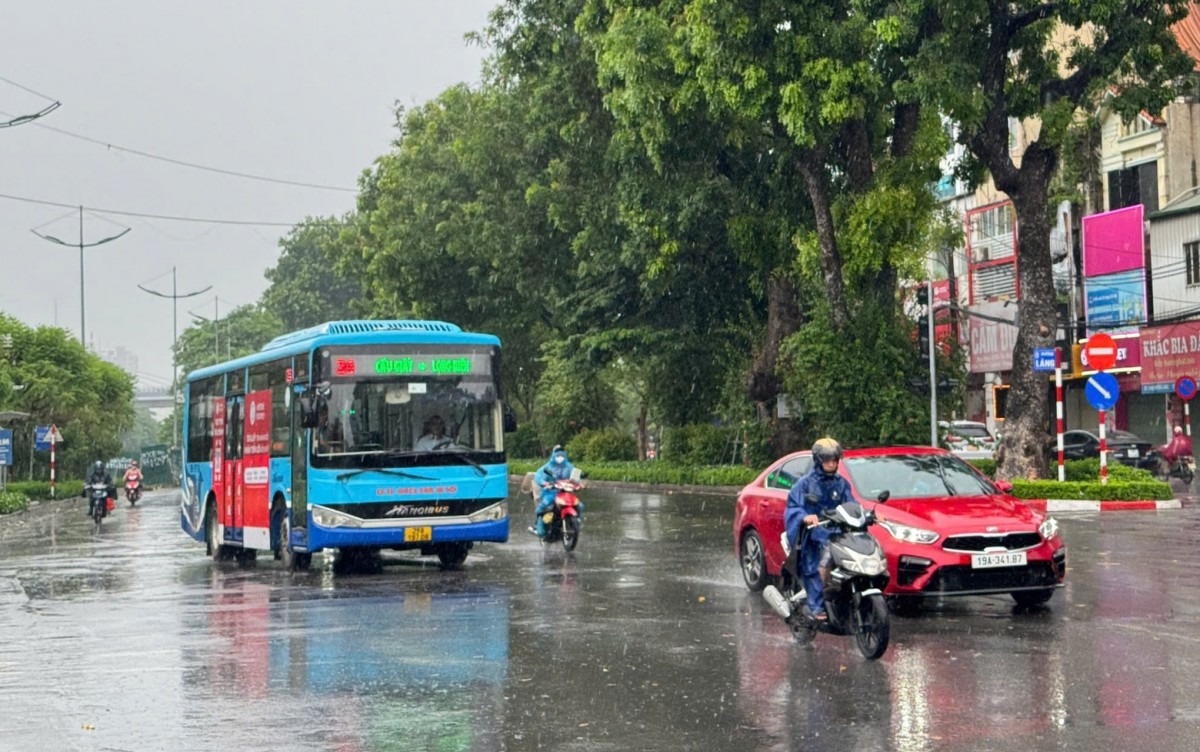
(1058, 410)
(1103, 452)
(52, 430)
(1187, 419)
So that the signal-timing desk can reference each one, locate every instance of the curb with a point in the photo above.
(1092, 505)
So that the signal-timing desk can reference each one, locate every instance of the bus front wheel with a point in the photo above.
(452, 555)
(217, 550)
(295, 561)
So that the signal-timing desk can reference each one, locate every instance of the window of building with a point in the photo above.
(1191, 256)
(1134, 185)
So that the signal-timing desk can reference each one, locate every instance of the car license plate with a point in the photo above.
(420, 534)
(1006, 559)
(1133, 453)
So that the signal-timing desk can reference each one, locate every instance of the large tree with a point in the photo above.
(310, 284)
(989, 63)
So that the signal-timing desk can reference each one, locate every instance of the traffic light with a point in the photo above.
(923, 337)
(923, 295)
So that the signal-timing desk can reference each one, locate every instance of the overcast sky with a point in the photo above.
(295, 89)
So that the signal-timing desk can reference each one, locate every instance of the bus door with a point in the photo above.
(256, 470)
(299, 463)
(218, 460)
(234, 483)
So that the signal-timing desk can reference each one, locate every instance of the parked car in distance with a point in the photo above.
(947, 530)
(967, 438)
(1123, 446)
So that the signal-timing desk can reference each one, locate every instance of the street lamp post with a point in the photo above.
(174, 297)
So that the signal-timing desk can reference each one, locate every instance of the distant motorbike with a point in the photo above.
(98, 500)
(133, 490)
(1183, 468)
(858, 574)
(562, 520)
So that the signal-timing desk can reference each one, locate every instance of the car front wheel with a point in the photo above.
(754, 561)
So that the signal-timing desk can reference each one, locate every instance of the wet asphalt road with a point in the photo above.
(643, 639)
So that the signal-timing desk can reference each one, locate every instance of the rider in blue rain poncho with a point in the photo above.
(828, 490)
(558, 467)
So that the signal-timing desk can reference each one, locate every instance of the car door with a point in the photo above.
(773, 501)
(1078, 445)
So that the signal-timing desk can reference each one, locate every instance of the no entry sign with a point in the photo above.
(1101, 352)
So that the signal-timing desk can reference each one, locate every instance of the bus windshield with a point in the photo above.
(407, 408)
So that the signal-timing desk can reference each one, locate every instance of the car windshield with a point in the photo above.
(907, 476)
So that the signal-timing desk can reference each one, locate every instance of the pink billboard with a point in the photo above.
(1114, 241)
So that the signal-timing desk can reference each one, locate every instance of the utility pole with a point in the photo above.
(216, 322)
(174, 297)
(81, 245)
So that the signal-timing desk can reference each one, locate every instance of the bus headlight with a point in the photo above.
(326, 517)
(490, 514)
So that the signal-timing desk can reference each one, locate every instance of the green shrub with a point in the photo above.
(40, 489)
(1115, 491)
(699, 444)
(523, 442)
(577, 446)
(1089, 469)
(13, 501)
(656, 472)
(611, 445)
(987, 467)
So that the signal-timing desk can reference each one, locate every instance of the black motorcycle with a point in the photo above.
(97, 494)
(1183, 468)
(854, 601)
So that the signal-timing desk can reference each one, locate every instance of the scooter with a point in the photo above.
(562, 520)
(98, 500)
(1183, 468)
(133, 490)
(858, 574)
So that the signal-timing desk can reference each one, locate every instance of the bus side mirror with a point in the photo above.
(510, 419)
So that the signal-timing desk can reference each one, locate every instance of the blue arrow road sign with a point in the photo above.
(1102, 391)
(5, 446)
(1043, 359)
(41, 438)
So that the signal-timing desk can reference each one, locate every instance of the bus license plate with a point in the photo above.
(1006, 559)
(420, 534)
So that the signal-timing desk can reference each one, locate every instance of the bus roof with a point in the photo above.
(361, 332)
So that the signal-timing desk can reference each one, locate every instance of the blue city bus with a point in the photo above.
(327, 438)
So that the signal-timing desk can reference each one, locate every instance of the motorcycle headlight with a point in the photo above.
(1048, 528)
(870, 566)
(909, 534)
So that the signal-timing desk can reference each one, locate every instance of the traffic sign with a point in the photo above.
(1043, 359)
(1102, 391)
(1100, 351)
(1185, 387)
(41, 438)
(6, 448)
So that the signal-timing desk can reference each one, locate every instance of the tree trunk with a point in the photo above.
(643, 410)
(811, 166)
(1027, 413)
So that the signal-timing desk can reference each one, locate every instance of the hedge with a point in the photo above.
(13, 501)
(1079, 470)
(655, 472)
(40, 489)
(1116, 491)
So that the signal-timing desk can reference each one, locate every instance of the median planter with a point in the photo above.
(1112, 491)
(656, 472)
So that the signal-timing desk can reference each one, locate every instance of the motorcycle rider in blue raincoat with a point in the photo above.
(557, 468)
(829, 490)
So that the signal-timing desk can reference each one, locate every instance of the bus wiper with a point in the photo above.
(478, 467)
(397, 473)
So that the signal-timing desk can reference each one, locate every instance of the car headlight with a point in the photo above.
(326, 517)
(1048, 528)
(909, 534)
(490, 514)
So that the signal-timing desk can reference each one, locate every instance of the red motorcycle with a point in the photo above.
(562, 520)
(133, 490)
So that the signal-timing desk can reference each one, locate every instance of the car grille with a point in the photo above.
(980, 543)
(964, 579)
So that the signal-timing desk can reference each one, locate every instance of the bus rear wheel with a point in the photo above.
(452, 555)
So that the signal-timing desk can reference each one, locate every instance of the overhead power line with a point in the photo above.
(15, 120)
(165, 217)
(193, 165)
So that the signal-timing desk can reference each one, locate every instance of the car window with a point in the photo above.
(971, 431)
(789, 472)
(907, 476)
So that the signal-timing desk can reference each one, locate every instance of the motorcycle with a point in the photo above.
(98, 498)
(562, 520)
(854, 601)
(133, 490)
(1183, 468)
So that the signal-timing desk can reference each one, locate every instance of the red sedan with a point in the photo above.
(946, 528)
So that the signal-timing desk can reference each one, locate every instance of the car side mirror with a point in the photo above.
(309, 411)
(1004, 486)
(884, 496)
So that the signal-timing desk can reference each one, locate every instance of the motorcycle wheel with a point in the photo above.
(570, 532)
(873, 626)
(1187, 476)
(98, 510)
